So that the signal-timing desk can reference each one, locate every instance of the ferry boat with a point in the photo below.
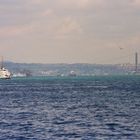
(4, 73)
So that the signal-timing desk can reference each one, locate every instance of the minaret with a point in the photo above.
(136, 62)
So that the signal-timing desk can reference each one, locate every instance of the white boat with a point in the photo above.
(4, 73)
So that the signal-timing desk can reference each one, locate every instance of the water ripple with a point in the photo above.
(76, 108)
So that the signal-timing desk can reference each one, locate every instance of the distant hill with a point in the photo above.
(65, 69)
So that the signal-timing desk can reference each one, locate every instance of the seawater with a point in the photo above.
(74, 108)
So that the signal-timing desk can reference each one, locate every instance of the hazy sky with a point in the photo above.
(69, 31)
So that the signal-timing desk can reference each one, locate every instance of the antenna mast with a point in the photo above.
(136, 62)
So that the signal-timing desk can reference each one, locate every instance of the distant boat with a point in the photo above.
(4, 73)
(72, 74)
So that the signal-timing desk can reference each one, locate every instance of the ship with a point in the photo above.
(72, 74)
(4, 73)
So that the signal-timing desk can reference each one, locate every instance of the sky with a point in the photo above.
(70, 31)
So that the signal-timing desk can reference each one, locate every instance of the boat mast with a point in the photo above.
(1, 62)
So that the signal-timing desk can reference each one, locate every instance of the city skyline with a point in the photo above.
(68, 31)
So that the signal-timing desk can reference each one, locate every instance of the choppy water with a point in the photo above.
(88, 108)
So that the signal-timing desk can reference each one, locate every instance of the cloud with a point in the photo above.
(135, 1)
(134, 41)
(67, 27)
(68, 4)
(89, 25)
(48, 12)
(36, 1)
(80, 3)
(11, 31)
(97, 4)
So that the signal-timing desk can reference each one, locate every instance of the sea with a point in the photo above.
(70, 108)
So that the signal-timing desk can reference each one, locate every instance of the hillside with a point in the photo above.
(66, 69)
